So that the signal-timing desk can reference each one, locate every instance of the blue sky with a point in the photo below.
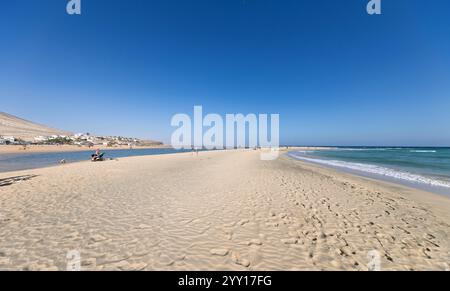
(336, 75)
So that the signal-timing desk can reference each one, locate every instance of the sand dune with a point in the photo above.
(217, 211)
(20, 128)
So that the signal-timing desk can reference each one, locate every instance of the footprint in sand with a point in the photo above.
(256, 242)
(166, 260)
(289, 241)
(243, 222)
(273, 224)
(236, 258)
(97, 238)
(228, 233)
(219, 252)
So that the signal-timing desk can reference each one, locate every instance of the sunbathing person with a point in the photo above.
(97, 156)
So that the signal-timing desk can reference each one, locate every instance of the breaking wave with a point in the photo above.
(378, 170)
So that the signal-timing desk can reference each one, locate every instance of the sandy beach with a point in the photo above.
(224, 210)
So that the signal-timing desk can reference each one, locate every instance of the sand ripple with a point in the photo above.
(220, 211)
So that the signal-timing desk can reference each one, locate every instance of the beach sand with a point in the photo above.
(224, 210)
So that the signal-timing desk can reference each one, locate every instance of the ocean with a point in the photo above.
(424, 168)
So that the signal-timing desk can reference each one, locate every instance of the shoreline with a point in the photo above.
(422, 195)
(12, 162)
(17, 149)
(235, 213)
(286, 151)
(314, 166)
(439, 190)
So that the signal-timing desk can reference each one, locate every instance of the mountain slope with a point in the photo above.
(20, 128)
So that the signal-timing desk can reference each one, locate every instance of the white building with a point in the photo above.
(41, 138)
(83, 143)
(79, 135)
(9, 138)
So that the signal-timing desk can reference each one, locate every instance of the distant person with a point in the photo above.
(98, 156)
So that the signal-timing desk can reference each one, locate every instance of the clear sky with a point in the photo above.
(336, 75)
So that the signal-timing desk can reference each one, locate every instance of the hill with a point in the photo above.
(20, 128)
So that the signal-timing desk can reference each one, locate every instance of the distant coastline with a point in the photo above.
(18, 135)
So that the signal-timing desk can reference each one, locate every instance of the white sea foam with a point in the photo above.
(422, 151)
(305, 152)
(378, 170)
(367, 149)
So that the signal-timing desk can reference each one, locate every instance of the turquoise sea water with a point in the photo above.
(24, 161)
(425, 168)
